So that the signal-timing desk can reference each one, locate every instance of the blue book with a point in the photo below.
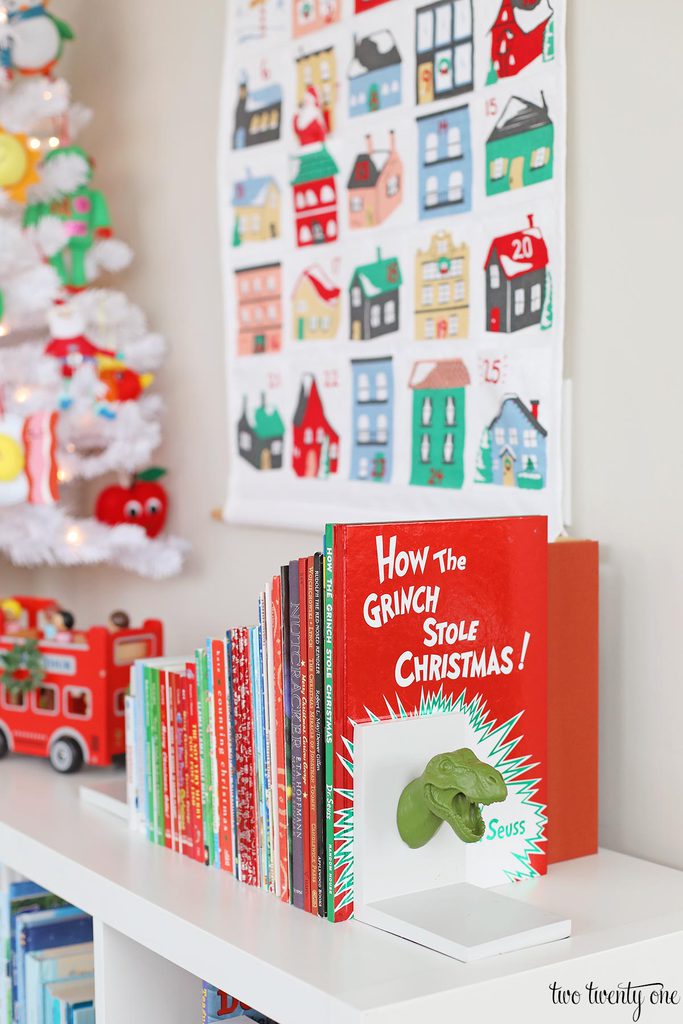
(83, 1014)
(46, 929)
(21, 898)
(47, 965)
(62, 997)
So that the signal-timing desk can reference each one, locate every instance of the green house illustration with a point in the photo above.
(519, 150)
(438, 422)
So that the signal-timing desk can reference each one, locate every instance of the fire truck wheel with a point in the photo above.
(66, 756)
(4, 746)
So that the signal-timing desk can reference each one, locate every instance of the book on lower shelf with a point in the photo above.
(218, 1005)
(243, 754)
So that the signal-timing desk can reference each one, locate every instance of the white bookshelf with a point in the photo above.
(162, 922)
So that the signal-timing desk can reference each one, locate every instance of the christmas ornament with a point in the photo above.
(122, 383)
(17, 165)
(21, 668)
(32, 39)
(144, 502)
(69, 344)
(84, 212)
(28, 467)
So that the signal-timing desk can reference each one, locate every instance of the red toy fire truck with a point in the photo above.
(76, 714)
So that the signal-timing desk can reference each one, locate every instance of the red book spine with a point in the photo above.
(163, 714)
(222, 754)
(305, 752)
(195, 778)
(247, 823)
(171, 689)
(312, 781)
(280, 739)
(185, 824)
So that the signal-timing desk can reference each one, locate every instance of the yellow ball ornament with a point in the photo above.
(11, 458)
(13, 160)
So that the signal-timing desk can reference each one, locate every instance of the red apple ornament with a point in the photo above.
(144, 502)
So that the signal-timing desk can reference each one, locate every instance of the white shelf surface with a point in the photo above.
(294, 967)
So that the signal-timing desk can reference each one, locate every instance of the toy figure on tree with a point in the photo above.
(77, 360)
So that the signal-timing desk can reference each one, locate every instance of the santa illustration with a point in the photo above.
(309, 121)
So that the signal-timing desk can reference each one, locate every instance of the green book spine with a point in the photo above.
(157, 760)
(149, 754)
(329, 718)
(204, 718)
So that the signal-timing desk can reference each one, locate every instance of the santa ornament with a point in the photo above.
(69, 344)
(309, 121)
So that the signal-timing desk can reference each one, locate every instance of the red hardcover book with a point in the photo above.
(281, 781)
(176, 836)
(305, 751)
(180, 685)
(163, 714)
(222, 754)
(447, 617)
(312, 781)
(247, 821)
(194, 766)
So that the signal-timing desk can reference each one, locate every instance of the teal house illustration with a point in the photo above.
(438, 434)
(512, 452)
(520, 149)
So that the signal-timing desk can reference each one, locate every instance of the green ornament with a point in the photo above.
(21, 668)
(451, 789)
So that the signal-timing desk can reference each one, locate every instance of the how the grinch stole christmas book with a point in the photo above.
(443, 618)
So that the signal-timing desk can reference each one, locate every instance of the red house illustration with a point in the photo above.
(518, 35)
(316, 444)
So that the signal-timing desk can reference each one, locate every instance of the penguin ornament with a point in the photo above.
(31, 38)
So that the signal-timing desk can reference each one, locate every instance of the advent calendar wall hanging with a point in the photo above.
(393, 201)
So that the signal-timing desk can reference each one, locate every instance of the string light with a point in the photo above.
(53, 142)
(22, 395)
(4, 330)
(33, 143)
(47, 95)
(73, 536)
(63, 476)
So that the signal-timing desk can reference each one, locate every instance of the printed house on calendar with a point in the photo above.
(442, 275)
(316, 443)
(372, 413)
(256, 202)
(313, 15)
(374, 298)
(438, 436)
(258, 291)
(315, 197)
(519, 150)
(375, 185)
(257, 115)
(444, 49)
(513, 448)
(374, 74)
(444, 163)
(516, 273)
(260, 443)
(316, 306)
(521, 33)
(319, 70)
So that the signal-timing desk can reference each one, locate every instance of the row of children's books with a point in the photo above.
(218, 1005)
(241, 756)
(46, 956)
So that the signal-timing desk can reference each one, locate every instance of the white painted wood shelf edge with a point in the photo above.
(296, 968)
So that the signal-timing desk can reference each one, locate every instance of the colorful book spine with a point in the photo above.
(329, 715)
(149, 756)
(287, 718)
(279, 710)
(247, 827)
(312, 776)
(232, 662)
(194, 769)
(271, 736)
(137, 676)
(172, 760)
(214, 824)
(179, 683)
(132, 798)
(223, 768)
(203, 668)
(305, 760)
(296, 736)
(165, 778)
(319, 700)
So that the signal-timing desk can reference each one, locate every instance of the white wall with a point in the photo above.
(151, 71)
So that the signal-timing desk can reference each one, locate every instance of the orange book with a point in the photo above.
(572, 699)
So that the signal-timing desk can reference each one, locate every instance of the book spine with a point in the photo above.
(232, 682)
(180, 685)
(194, 769)
(212, 763)
(222, 755)
(271, 734)
(165, 781)
(149, 753)
(172, 785)
(296, 736)
(264, 813)
(305, 758)
(131, 773)
(203, 674)
(157, 759)
(137, 682)
(329, 715)
(319, 732)
(283, 841)
(312, 771)
(246, 783)
(287, 719)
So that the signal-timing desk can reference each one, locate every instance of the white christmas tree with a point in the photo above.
(76, 359)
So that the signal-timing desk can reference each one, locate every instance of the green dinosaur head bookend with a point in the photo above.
(451, 789)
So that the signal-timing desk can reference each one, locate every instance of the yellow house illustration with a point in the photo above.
(256, 202)
(319, 71)
(316, 306)
(442, 290)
